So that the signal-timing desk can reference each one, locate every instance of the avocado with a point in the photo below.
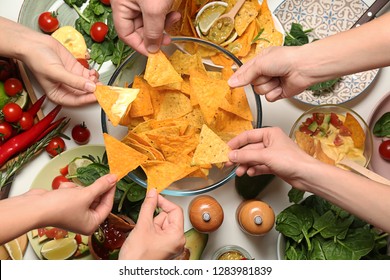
(249, 187)
(195, 244)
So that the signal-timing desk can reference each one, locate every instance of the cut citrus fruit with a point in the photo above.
(74, 165)
(59, 249)
(22, 100)
(14, 250)
(208, 16)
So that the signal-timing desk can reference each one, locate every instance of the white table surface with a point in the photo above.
(281, 113)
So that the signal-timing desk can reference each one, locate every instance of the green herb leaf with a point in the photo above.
(382, 126)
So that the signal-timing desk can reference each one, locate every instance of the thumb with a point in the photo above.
(148, 206)
(244, 75)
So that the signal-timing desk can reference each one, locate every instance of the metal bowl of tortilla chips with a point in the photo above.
(332, 133)
(183, 115)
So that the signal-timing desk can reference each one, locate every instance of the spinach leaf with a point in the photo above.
(382, 126)
(90, 173)
(295, 195)
(77, 3)
(323, 86)
(101, 52)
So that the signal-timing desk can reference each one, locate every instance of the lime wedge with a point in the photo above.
(22, 100)
(59, 249)
(208, 17)
(4, 98)
(74, 165)
(14, 250)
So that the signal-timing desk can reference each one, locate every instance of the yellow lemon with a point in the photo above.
(74, 165)
(14, 250)
(71, 39)
(59, 249)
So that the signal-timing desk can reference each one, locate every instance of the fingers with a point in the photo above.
(175, 213)
(103, 191)
(244, 75)
(148, 206)
(78, 82)
(154, 22)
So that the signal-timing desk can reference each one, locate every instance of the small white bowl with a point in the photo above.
(201, 11)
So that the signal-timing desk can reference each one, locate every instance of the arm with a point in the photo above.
(62, 77)
(282, 72)
(78, 209)
(269, 150)
(153, 238)
(141, 23)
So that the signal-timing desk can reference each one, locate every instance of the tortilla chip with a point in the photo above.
(245, 16)
(121, 158)
(321, 155)
(159, 71)
(305, 142)
(182, 62)
(142, 105)
(357, 133)
(211, 148)
(174, 105)
(116, 102)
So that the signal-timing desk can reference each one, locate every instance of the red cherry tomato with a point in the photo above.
(26, 121)
(13, 86)
(106, 2)
(12, 112)
(384, 149)
(48, 22)
(55, 184)
(56, 233)
(81, 134)
(98, 31)
(5, 131)
(5, 70)
(55, 146)
(83, 62)
(64, 170)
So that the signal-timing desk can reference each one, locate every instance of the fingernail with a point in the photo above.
(151, 193)
(112, 178)
(153, 48)
(233, 81)
(232, 156)
(89, 87)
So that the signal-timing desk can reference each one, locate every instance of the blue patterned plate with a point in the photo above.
(327, 17)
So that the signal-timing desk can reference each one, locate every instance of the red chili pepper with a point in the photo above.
(51, 127)
(33, 110)
(23, 140)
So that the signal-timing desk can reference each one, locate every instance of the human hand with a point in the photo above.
(273, 73)
(64, 80)
(269, 150)
(140, 23)
(161, 237)
(80, 209)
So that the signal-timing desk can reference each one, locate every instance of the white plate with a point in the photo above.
(29, 14)
(327, 17)
(51, 169)
(377, 163)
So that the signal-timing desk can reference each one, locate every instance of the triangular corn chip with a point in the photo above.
(211, 149)
(116, 102)
(121, 158)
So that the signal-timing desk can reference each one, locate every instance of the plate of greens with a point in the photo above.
(379, 123)
(316, 19)
(81, 14)
(315, 229)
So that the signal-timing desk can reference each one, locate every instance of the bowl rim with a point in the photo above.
(368, 145)
(232, 173)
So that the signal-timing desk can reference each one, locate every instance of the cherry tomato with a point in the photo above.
(56, 233)
(13, 86)
(81, 134)
(64, 170)
(5, 70)
(98, 31)
(48, 22)
(55, 184)
(106, 2)
(26, 121)
(5, 131)
(83, 62)
(12, 112)
(384, 149)
(78, 238)
(55, 146)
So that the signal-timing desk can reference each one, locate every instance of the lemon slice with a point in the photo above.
(59, 249)
(208, 16)
(14, 250)
(22, 100)
(74, 165)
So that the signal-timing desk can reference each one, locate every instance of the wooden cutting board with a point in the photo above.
(23, 241)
